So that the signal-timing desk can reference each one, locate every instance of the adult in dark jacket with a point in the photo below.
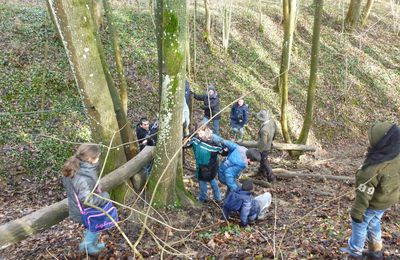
(243, 202)
(266, 136)
(378, 188)
(210, 106)
(146, 133)
(238, 158)
(239, 118)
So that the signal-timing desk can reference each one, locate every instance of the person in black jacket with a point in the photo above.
(146, 133)
(210, 106)
(239, 118)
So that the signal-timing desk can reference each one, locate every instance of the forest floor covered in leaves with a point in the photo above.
(359, 80)
(308, 219)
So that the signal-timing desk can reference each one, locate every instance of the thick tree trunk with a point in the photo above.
(312, 84)
(366, 11)
(353, 14)
(166, 182)
(289, 11)
(123, 87)
(44, 218)
(194, 47)
(290, 174)
(282, 146)
(207, 31)
(75, 25)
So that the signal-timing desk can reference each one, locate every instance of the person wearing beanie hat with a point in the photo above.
(378, 188)
(266, 136)
(243, 202)
(210, 106)
(238, 159)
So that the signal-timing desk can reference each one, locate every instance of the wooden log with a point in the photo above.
(46, 217)
(282, 146)
(279, 172)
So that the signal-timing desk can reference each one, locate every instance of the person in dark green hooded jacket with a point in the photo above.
(378, 188)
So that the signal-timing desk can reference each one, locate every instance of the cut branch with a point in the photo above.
(282, 146)
(290, 174)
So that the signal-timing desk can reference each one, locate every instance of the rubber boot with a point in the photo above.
(375, 251)
(100, 245)
(87, 245)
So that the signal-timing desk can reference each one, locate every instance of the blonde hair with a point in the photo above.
(85, 153)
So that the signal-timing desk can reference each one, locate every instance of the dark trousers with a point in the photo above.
(265, 168)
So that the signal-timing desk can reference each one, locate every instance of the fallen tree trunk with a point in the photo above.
(290, 174)
(44, 218)
(282, 146)
(261, 183)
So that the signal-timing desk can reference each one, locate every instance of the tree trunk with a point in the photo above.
(125, 128)
(312, 84)
(166, 182)
(260, 25)
(207, 32)
(353, 14)
(282, 146)
(98, 11)
(289, 11)
(75, 25)
(46, 217)
(226, 28)
(123, 87)
(366, 11)
(194, 46)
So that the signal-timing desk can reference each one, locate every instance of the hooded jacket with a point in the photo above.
(266, 135)
(206, 155)
(239, 115)
(378, 180)
(233, 164)
(243, 202)
(82, 184)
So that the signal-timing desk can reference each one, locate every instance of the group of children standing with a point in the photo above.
(378, 180)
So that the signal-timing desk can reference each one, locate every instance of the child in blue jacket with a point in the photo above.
(243, 202)
(238, 159)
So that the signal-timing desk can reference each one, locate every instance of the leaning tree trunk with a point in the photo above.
(75, 25)
(366, 11)
(207, 31)
(354, 13)
(289, 11)
(166, 182)
(312, 84)
(123, 86)
(77, 30)
(126, 132)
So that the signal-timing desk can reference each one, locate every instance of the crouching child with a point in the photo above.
(242, 201)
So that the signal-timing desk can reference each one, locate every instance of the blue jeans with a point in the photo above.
(215, 124)
(369, 228)
(235, 130)
(203, 190)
